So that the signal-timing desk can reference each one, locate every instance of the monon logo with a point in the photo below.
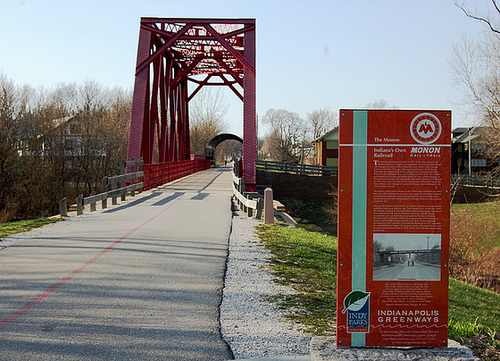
(425, 128)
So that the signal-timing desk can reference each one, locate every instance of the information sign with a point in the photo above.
(393, 228)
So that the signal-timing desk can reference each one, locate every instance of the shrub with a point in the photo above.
(473, 248)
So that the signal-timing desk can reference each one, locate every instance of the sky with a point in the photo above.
(405, 242)
(311, 54)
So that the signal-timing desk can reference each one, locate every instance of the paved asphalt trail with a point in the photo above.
(402, 272)
(139, 281)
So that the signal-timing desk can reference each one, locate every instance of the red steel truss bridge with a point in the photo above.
(175, 59)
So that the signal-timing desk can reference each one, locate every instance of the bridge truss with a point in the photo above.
(175, 59)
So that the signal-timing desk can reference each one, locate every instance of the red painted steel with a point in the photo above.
(249, 119)
(139, 120)
(174, 53)
(161, 173)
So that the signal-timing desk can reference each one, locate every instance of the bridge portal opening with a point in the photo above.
(233, 150)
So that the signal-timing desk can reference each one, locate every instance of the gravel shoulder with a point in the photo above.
(251, 325)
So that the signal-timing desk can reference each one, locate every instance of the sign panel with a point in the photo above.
(393, 228)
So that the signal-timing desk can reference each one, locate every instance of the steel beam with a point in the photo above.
(249, 116)
(171, 53)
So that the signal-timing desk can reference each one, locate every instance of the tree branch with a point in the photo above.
(495, 5)
(478, 18)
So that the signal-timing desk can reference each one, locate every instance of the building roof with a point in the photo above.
(60, 121)
(327, 135)
(465, 135)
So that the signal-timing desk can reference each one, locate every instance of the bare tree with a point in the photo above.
(286, 134)
(27, 188)
(40, 186)
(99, 133)
(486, 19)
(9, 136)
(271, 148)
(36, 159)
(378, 104)
(475, 67)
(65, 96)
(84, 133)
(116, 127)
(322, 121)
(207, 112)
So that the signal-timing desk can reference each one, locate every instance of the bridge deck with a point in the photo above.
(139, 281)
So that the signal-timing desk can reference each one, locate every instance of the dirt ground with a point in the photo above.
(481, 346)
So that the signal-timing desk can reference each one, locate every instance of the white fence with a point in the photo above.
(250, 202)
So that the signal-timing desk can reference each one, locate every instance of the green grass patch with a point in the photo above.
(474, 319)
(6, 229)
(470, 305)
(306, 261)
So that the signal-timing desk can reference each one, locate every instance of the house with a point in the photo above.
(66, 137)
(468, 152)
(74, 138)
(467, 147)
(327, 148)
(45, 144)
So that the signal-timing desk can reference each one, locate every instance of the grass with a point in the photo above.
(6, 229)
(306, 261)
(474, 319)
(472, 309)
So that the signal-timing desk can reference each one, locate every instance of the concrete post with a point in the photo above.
(92, 205)
(132, 182)
(124, 194)
(260, 206)
(249, 211)
(79, 205)
(104, 189)
(241, 191)
(268, 206)
(141, 169)
(124, 183)
(114, 200)
(63, 208)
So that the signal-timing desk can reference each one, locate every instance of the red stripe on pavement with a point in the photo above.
(51, 289)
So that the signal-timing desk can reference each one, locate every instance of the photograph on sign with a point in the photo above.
(406, 257)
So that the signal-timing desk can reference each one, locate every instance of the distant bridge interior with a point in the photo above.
(212, 145)
(175, 59)
(432, 255)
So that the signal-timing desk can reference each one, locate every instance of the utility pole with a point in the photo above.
(303, 150)
(470, 154)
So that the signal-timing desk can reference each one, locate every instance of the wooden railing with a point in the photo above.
(112, 187)
(250, 202)
(293, 168)
(136, 176)
(476, 180)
